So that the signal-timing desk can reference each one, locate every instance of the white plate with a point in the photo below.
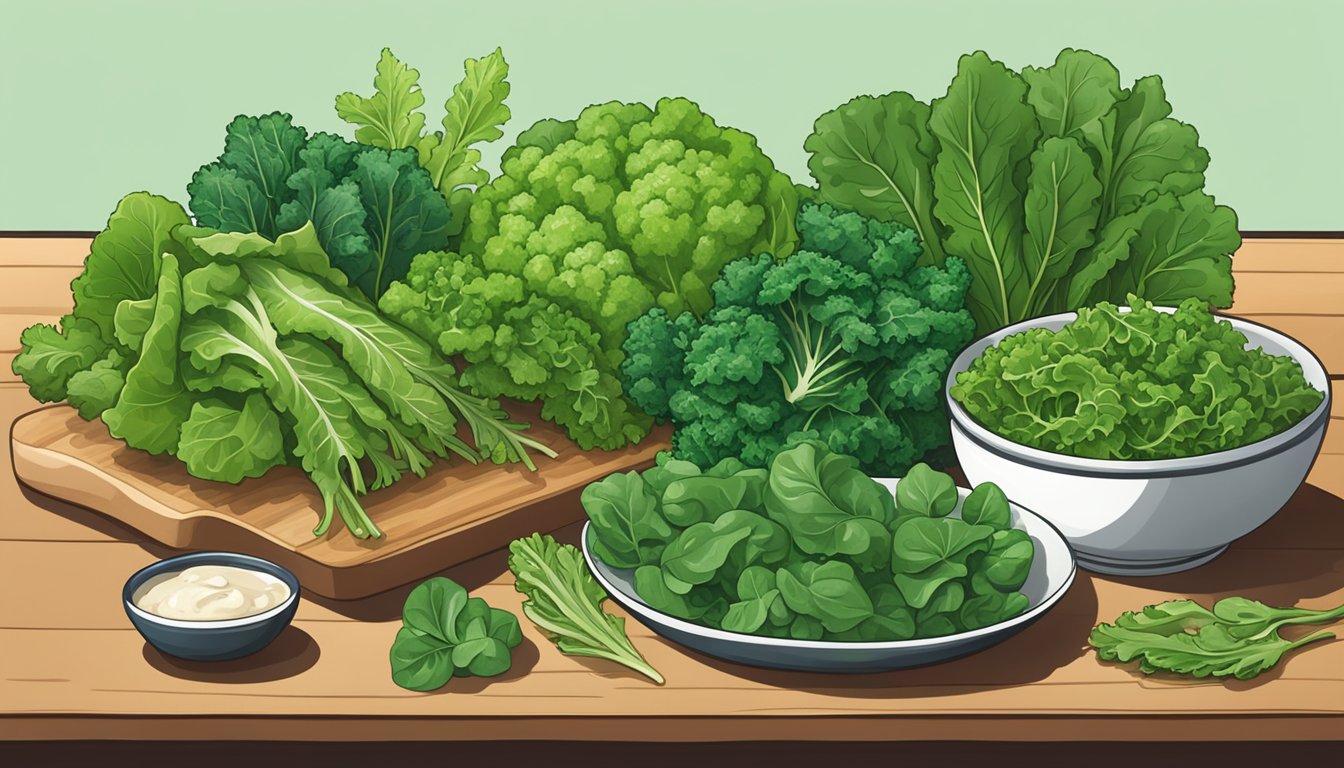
(1052, 572)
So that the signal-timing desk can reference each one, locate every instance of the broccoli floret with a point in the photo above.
(846, 341)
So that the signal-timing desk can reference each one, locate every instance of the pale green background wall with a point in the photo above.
(101, 98)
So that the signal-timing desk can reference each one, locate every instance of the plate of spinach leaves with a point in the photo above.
(809, 564)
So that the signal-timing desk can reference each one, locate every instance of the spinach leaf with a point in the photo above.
(987, 505)
(829, 593)
(629, 529)
(445, 633)
(983, 610)
(705, 498)
(1008, 561)
(829, 505)
(926, 492)
(701, 603)
(757, 596)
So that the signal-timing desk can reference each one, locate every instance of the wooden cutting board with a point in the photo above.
(456, 512)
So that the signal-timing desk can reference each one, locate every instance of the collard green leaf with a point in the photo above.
(875, 155)
(404, 215)
(985, 131)
(1142, 151)
(1079, 88)
(1062, 206)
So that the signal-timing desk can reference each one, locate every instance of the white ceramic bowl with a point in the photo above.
(1052, 572)
(1147, 517)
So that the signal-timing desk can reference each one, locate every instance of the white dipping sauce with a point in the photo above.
(212, 593)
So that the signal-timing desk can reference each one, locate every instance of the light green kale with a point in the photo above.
(446, 634)
(1238, 638)
(1135, 385)
(591, 223)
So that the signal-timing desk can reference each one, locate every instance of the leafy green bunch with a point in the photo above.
(812, 548)
(592, 222)
(474, 113)
(446, 634)
(1059, 188)
(1135, 384)
(238, 354)
(1237, 638)
(372, 209)
(847, 341)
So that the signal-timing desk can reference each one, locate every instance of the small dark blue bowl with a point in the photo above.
(210, 640)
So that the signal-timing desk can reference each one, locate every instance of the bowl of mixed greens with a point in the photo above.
(810, 564)
(1152, 437)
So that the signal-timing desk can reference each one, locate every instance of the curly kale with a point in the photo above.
(847, 341)
(592, 223)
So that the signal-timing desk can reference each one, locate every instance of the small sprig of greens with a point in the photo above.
(1238, 637)
(565, 601)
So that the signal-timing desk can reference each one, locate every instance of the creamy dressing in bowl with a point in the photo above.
(211, 593)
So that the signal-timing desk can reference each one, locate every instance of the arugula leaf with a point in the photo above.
(1238, 638)
(445, 633)
(565, 601)
(474, 113)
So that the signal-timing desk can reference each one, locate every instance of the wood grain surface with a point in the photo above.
(72, 667)
(456, 512)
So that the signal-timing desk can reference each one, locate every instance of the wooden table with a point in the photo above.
(73, 668)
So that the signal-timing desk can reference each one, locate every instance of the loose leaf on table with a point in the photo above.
(565, 601)
(447, 634)
(1238, 638)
